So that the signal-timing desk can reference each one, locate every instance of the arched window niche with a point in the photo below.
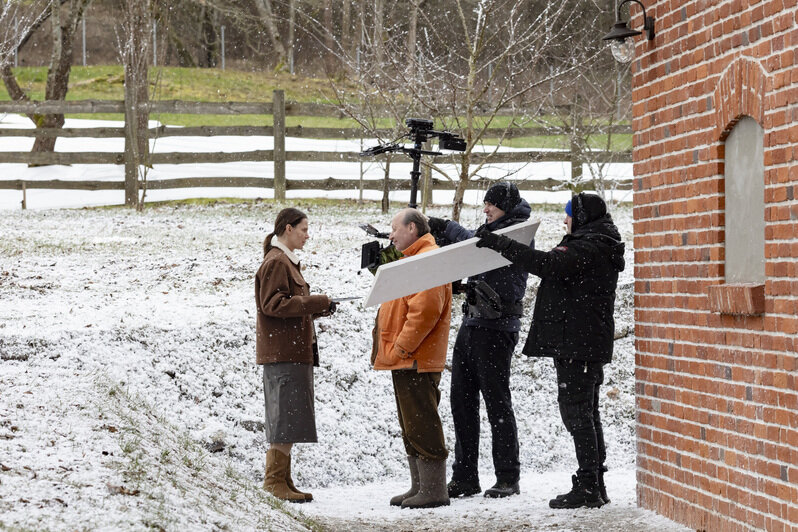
(744, 176)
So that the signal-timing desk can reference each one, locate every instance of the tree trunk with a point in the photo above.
(63, 35)
(346, 27)
(329, 38)
(137, 50)
(459, 191)
(267, 15)
(291, 29)
(412, 37)
(386, 186)
(210, 38)
(379, 29)
(184, 58)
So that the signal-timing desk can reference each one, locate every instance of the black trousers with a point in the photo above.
(578, 385)
(481, 363)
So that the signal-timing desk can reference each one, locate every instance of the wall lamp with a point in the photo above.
(621, 37)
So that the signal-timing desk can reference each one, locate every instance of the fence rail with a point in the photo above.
(539, 185)
(279, 109)
(294, 131)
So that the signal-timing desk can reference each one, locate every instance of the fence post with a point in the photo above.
(154, 43)
(24, 196)
(278, 113)
(223, 47)
(83, 25)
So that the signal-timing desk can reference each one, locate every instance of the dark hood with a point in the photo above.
(596, 224)
(586, 208)
(519, 213)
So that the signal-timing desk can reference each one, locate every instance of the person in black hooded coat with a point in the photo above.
(573, 323)
(483, 351)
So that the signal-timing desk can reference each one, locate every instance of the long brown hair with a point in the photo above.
(288, 216)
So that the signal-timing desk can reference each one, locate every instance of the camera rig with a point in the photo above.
(372, 253)
(420, 132)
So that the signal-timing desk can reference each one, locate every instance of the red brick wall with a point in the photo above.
(717, 393)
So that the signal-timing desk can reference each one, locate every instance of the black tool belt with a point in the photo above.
(483, 302)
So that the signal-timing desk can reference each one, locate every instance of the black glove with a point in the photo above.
(493, 241)
(333, 306)
(437, 226)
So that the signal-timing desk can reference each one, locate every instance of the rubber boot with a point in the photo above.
(432, 490)
(274, 480)
(399, 499)
(290, 482)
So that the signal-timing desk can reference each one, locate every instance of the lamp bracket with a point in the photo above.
(648, 22)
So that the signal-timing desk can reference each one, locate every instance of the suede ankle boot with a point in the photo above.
(290, 483)
(274, 480)
(399, 499)
(432, 490)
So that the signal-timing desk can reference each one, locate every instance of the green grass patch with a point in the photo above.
(215, 85)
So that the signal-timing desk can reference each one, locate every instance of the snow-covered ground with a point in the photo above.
(127, 356)
(129, 397)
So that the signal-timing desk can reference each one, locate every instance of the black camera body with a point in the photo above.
(419, 124)
(450, 141)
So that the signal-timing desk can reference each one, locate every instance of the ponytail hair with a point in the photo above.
(288, 216)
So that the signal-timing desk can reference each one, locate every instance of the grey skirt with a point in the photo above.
(288, 392)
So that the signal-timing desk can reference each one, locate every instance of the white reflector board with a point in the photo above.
(449, 263)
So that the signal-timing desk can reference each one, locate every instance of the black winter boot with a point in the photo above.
(459, 488)
(502, 489)
(602, 488)
(585, 494)
(573, 488)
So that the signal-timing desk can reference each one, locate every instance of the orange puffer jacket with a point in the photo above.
(413, 331)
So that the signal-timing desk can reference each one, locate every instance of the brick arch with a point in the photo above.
(740, 92)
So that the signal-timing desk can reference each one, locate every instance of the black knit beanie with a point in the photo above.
(504, 195)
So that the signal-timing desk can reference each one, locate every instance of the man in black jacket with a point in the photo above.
(483, 351)
(573, 323)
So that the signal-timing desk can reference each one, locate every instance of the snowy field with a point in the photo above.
(129, 397)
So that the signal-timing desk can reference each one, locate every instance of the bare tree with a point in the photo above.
(471, 63)
(271, 21)
(64, 17)
(133, 45)
(17, 21)
(589, 114)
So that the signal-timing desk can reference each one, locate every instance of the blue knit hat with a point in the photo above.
(568, 209)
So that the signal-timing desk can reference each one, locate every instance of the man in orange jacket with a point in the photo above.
(411, 340)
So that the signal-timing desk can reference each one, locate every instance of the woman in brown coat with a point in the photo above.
(286, 347)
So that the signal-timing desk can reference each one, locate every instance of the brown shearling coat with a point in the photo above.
(285, 311)
(413, 331)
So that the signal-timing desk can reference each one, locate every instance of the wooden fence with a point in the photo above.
(279, 109)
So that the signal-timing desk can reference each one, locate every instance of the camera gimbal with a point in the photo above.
(420, 132)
